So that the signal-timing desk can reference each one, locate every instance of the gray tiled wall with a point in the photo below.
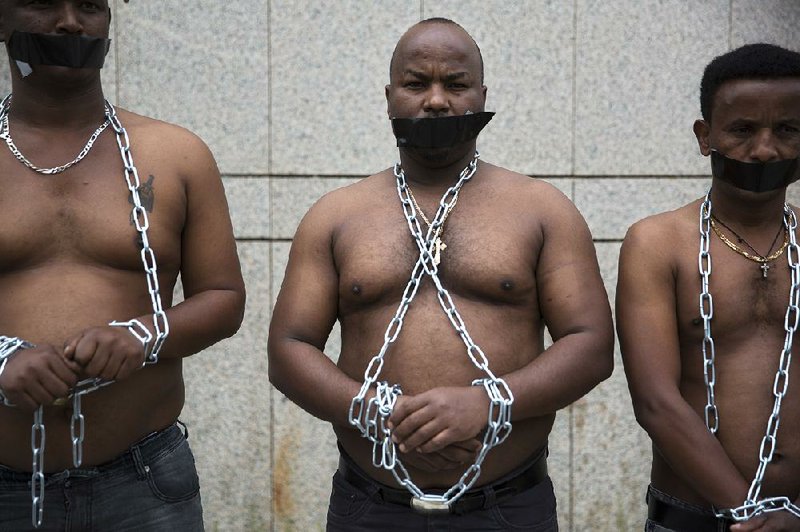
(599, 95)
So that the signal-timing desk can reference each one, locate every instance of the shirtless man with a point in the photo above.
(72, 263)
(514, 254)
(705, 463)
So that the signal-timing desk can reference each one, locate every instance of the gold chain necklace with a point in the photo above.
(762, 260)
(438, 243)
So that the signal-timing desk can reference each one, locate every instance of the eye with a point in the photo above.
(740, 130)
(91, 6)
(789, 129)
(457, 86)
(414, 84)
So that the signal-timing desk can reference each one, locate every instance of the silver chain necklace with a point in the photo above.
(151, 342)
(752, 506)
(5, 134)
(370, 417)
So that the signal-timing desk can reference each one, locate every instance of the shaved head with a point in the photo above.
(421, 26)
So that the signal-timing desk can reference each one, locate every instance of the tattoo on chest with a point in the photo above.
(147, 198)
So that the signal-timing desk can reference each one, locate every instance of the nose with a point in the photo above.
(68, 19)
(436, 100)
(764, 147)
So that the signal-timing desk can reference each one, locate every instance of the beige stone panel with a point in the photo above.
(249, 206)
(329, 66)
(639, 65)
(612, 205)
(612, 454)
(527, 49)
(228, 412)
(772, 21)
(202, 65)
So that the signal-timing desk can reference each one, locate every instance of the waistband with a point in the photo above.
(527, 476)
(681, 516)
(149, 448)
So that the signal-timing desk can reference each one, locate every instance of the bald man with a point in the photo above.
(443, 272)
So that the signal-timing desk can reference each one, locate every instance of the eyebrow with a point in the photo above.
(449, 77)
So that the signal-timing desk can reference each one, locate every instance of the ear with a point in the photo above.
(387, 91)
(701, 131)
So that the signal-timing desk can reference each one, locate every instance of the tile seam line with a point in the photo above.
(270, 269)
(535, 176)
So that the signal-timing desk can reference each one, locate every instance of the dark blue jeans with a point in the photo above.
(352, 510)
(153, 487)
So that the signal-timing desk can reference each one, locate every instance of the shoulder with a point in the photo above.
(670, 227)
(167, 144)
(662, 241)
(334, 208)
(513, 186)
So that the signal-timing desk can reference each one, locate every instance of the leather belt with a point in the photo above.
(681, 519)
(474, 499)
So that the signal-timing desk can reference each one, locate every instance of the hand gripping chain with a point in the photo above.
(752, 506)
(151, 343)
(370, 416)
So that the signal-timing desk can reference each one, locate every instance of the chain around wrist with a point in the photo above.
(9, 348)
(142, 335)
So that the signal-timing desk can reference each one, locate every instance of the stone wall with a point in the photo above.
(595, 96)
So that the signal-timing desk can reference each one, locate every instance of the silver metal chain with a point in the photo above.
(151, 342)
(752, 506)
(5, 134)
(37, 475)
(370, 417)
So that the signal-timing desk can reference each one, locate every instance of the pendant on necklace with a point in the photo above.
(764, 269)
(437, 252)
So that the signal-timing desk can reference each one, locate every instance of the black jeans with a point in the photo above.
(153, 486)
(353, 510)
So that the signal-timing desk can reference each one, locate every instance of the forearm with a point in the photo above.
(311, 380)
(562, 374)
(199, 321)
(690, 450)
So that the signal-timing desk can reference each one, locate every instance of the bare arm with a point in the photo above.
(575, 308)
(648, 332)
(210, 273)
(302, 319)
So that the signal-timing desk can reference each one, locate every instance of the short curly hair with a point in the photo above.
(752, 61)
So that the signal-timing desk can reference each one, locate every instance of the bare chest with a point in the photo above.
(85, 214)
(484, 258)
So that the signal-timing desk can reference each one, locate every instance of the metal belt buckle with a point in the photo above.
(430, 504)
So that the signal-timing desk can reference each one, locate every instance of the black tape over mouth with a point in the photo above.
(755, 177)
(440, 132)
(74, 51)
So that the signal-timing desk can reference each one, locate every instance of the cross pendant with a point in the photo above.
(437, 253)
(764, 268)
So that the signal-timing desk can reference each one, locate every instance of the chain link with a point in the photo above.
(37, 475)
(9, 346)
(752, 506)
(5, 134)
(370, 417)
(148, 256)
